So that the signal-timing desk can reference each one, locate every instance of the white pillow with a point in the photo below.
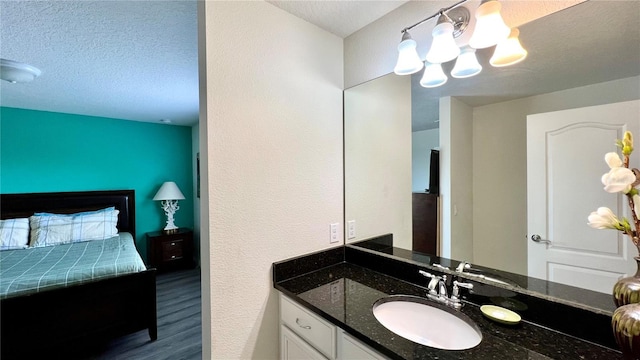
(14, 234)
(55, 229)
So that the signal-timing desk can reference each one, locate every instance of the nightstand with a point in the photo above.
(170, 251)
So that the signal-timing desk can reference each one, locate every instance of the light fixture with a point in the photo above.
(508, 51)
(443, 46)
(467, 64)
(433, 76)
(169, 194)
(408, 60)
(490, 28)
(17, 72)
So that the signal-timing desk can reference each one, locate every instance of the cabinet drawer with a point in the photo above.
(172, 250)
(308, 326)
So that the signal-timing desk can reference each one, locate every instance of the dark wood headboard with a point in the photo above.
(24, 205)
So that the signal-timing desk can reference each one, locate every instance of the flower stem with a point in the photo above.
(636, 222)
(626, 161)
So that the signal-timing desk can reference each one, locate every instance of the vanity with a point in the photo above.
(327, 300)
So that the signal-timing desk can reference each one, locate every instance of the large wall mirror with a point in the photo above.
(584, 56)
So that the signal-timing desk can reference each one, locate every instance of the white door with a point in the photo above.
(565, 161)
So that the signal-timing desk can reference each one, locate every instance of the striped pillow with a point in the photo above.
(54, 229)
(14, 234)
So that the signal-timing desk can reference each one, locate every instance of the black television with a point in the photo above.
(434, 172)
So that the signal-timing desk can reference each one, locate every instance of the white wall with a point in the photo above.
(377, 151)
(274, 163)
(500, 168)
(456, 165)
(421, 144)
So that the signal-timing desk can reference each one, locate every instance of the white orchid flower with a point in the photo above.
(604, 218)
(613, 160)
(618, 179)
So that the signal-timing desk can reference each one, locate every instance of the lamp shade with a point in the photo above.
(467, 64)
(169, 191)
(508, 51)
(408, 60)
(433, 76)
(490, 27)
(443, 48)
(17, 72)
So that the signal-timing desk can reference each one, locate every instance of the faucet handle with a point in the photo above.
(433, 283)
(440, 266)
(464, 285)
(456, 288)
(463, 265)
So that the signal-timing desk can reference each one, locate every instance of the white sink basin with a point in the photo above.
(427, 323)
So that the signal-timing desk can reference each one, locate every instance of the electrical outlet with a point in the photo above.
(333, 236)
(351, 229)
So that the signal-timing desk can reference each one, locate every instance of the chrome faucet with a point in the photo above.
(440, 295)
(463, 265)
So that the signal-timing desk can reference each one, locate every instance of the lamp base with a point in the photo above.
(170, 231)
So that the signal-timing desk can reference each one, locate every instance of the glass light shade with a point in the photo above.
(433, 76)
(443, 47)
(169, 191)
(467, 64)
(508, 51)
(490, 27)
(408, 60)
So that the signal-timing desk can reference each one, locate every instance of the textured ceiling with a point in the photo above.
(341, 18)
(135, 60)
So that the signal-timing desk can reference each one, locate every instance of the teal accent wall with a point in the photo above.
(48, 152)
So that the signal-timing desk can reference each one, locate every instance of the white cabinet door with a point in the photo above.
(351, 349)
(292, 347)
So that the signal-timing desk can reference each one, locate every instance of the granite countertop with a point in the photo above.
(351, 309)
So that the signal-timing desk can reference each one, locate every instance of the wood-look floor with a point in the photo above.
(179, 325)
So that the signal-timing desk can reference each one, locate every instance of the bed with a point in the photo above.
(61, 309)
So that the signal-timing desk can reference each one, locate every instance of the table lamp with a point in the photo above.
(169, 194)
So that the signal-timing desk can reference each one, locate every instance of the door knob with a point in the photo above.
(538, 239)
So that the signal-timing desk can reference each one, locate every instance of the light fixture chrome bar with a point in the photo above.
(442, 11)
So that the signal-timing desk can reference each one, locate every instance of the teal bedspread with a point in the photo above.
(27, 271)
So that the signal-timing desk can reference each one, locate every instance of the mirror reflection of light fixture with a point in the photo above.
(508, 51)
(467, 64)
(443, 47)
(490, 30)
(490, 27)
(408, 60)
(433, 76)
(169, 194)
(17, 72)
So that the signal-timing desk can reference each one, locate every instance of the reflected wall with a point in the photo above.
(377, 130)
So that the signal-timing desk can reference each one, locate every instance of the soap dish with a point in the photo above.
(499, 314)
